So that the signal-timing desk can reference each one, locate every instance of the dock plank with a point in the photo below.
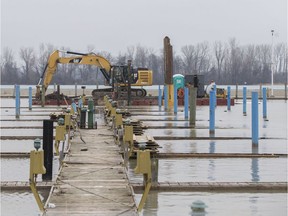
(93, 182)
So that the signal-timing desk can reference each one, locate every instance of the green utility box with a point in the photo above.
(178, 81)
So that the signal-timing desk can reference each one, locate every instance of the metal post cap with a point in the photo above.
(114, 103)
(198, 205)
(37, 143)
(61, 121)
(142, 145)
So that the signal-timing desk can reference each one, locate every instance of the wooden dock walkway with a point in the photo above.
(93, 180)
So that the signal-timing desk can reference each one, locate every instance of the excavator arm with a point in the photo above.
(87, 59)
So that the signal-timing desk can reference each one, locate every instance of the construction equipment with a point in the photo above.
(220, 92)
(115, 76)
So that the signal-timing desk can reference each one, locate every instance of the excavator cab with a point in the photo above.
(120, 74)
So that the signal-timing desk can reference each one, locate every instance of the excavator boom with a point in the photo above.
(87, 59)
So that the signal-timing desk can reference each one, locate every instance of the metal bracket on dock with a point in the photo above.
(36, 167)
(144, 167)
(128, 137)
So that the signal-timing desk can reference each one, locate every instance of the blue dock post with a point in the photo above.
(215, 96)
(30, 98)
(244, 100)
(175, 100)
(159, 97)
(165, 97)
(80, 103)
(255, 129)
(228, 98)
(74, 107)
(264, 96)
(212, 112)
(17, 100)
(186, 102)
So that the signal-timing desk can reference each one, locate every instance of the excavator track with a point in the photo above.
(120, 93)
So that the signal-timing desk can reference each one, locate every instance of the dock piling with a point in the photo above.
(236, 91)
(228, 98)
(43, 96)
(17, 101)
(255, 129)
(215, 95)
(90, 114)
(30, 97)
(165, 97)
(212, 112)
(175, 100)
(244, 100)
(264, 103)
(159, 97)
(186, 101)
(193, 99)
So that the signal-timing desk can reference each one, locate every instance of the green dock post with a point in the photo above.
(90, 114)
(193, 96)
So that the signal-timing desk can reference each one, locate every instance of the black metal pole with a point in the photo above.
(83, 118)
(129, 83)
(48, 148)
(58, 95)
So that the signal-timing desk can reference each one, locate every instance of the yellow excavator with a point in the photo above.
(115, 76)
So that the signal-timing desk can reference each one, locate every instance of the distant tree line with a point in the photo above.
(223, 62)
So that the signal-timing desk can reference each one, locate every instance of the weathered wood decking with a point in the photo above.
(93, 180)
(261, 187)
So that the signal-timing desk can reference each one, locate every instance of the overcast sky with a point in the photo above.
(113, 25)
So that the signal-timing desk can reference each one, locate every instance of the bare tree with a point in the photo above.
(130, 52)
(220, 52)
(121, 59)
(9, 71)
(140, 59)
(188, 58)
(29, 67)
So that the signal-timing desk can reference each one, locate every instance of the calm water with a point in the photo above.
(228, 124)
(219, 204)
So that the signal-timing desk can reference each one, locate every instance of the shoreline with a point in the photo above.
(7, 92)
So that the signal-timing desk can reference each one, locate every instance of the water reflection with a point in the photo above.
(212, 147)
(253, 207)
(211, 166)
(193, 133)
(198, 213)
(255, 170)
(151, 204)
(154, 170)
(193, 147)
(255, 166)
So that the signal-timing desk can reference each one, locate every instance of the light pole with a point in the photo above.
(272, 64)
